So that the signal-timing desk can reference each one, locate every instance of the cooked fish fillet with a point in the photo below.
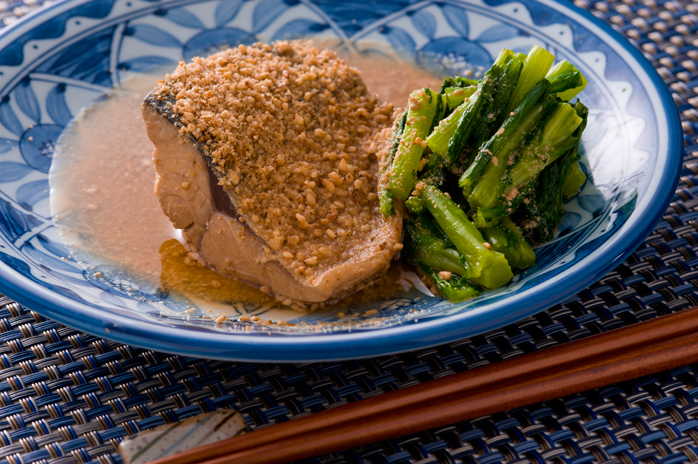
(267, 160)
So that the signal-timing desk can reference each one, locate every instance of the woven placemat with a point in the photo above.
(69, 397)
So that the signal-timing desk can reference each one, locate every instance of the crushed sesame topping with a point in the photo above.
(294, 137)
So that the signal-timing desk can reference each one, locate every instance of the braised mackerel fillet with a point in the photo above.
(268, 160)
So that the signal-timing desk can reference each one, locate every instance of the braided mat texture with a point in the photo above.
(68, 397)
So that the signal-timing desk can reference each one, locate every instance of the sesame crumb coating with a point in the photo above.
(295, 139)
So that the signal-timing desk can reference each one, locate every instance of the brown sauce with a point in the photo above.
(102, 181)
(183, 274)
(392, 80)
(103, 201)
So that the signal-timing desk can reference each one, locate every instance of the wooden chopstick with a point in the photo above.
(472, 404)
(659, 344)
(437, 413)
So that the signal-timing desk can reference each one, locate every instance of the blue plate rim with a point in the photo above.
(258, 347)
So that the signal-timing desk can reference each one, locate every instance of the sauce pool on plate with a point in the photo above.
(103, 201)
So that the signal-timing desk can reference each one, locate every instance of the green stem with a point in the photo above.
(431, 252)
(490, 185)
(489, 111)
(453, 289)
(535, 67)
(420, 114)
(565, 67)
(485, 267)
(574, 181)
(507, 239)
(457, 95)
(552, 141)
(500, 138)
(440, 138)
(505, 89)
(385, 201)
(456, 81)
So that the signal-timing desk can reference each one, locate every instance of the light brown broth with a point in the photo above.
(103, 201)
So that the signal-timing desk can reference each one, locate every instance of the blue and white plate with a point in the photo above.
(56, 61)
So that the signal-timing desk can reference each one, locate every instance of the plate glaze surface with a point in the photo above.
(57, 61)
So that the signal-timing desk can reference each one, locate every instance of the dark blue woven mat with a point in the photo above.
(68, 397)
